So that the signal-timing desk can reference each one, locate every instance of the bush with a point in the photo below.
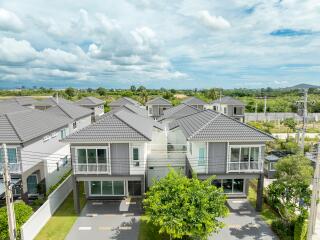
(300, 229)
(284, 231)
(23, 213)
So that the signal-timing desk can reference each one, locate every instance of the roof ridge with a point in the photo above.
(206, 124)
(191, 113)
(13, 127)
(63, 110)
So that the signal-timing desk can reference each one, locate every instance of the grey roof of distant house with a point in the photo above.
(119, 126)
(123, 101)
(71, 111)
(9, 106)
(52, 101)
(229, 101)
(178, 112)
(90, 101)
(194, 101)
(22, 126)
(159, 101)
(209, 125)
(23, 101)
(134, 109)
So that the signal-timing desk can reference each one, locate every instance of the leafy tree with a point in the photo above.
(101, 91)
(291, 124)
(290, 193)
(141, 88)
(22, 211)
(185, 208)
(212, 94)
(71, 92)
(144, 96)
(133, 88)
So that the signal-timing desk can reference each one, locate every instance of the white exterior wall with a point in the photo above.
(98, 110)
(193, 156)
(81, 123)
(138, 170)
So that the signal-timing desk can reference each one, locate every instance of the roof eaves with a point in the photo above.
(13, 127)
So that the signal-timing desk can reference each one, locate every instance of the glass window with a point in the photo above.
(82, 156)
(201, 160)
(217, 183)
(237, 185)
(62, 133)
(92, 155)
(235, 152)
(118, 188)
(135, 154)
(190, 148)
(225, 110)
(244, 154)
(32, 184)
(12, 155)
(227, 185)
(74, 125)
(107, 187)
(95, 187)
(102, 155)
(254, 154)
(272, 166)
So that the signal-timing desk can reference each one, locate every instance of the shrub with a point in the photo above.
(283, 230)
(22, 211)
(300, 229)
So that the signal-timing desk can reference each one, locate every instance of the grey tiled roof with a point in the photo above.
(208, 125)
(194, 101)
(123, 101)
(119, 126)
(71, 111)
(178, 112)
(135, 109)
(52, 101)
(8, 106)
(229, 101)
(23, 101)
(22, 126)
(159, 101)
(90, 101)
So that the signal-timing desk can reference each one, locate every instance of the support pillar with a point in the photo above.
(260, 193)
(76, 195)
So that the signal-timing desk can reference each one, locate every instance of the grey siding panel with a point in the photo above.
(217, 157)
(120, 159)
(155, 110)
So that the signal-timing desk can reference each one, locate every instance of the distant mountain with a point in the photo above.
(302, 86)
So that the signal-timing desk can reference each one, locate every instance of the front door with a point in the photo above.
(32, 184)
(134, 188)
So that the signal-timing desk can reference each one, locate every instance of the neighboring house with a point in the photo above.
(23, 101)
(80, 117)
(8, 107)
(195, 102)
(270, 160)
(157, 106)
(123, 101)
(218, 145)
(37, 158)
(50, 102)
(230, 106)
(176, 112)
(110, 156)
(95, 104)
(132, 108)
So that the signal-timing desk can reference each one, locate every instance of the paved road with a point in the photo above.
(244, 223)
(117, 220)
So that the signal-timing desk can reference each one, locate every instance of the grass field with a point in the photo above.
(61, 222)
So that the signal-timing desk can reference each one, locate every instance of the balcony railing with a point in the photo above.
(13, 167)
(92, 168)
(252, 166)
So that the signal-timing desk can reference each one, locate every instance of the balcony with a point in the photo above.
(92, 168)
(252, 166)
(13, 168)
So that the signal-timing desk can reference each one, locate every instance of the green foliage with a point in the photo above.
(290, 123)
(262, 126)
(71, 92)
(300, 229)
(185, 208)
(54, 187)
(282, 229)
(101, 91)
(22, 211)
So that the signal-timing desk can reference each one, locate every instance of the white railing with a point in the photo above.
(13, 167)
(252, 166)
(91, 168)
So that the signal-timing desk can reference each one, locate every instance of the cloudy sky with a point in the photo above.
(172, 44)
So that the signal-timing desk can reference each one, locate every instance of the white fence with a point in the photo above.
(271, 116)
(36, 222)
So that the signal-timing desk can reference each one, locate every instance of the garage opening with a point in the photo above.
(134, 188)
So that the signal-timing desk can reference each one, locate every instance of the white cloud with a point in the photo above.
(9, 21)
(213, 22)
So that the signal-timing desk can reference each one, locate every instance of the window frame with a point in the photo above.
(16, 155)
(101, 188)
(202, 159)
(135, 162)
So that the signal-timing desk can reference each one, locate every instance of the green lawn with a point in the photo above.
(61, 222)
(148, 231)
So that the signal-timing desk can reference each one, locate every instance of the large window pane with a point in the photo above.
(92, 155)
(118, 187)
(227, 185)
(238, 186)
(201, 160)
(136, 154)
(254, 154)
(95, 187)
(102, 156)
(12, 155)
(217, 183)
(107, 187)
(82, 158)
(235, 152)
(32, 184)
(244, 154)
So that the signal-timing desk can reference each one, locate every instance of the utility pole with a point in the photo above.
(305, 117)
(8, 192)
(315, 195)
(265, 105)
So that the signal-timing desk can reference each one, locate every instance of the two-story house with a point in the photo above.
(110, 156)
(195, 102)
(157, 106)
(37, 158)
(123, 101)
(222, 146)
(229, 106)
(95, 104)
(176, 112)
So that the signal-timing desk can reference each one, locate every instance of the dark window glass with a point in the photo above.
(92, 155)
(238, 185)
(82, 157)
(102, 156)
(95, 187)
(107, 187)
(118, 187)
(217, 183)
(227, 185)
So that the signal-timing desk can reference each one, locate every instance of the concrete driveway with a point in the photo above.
(244, 223)
(108, 220)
